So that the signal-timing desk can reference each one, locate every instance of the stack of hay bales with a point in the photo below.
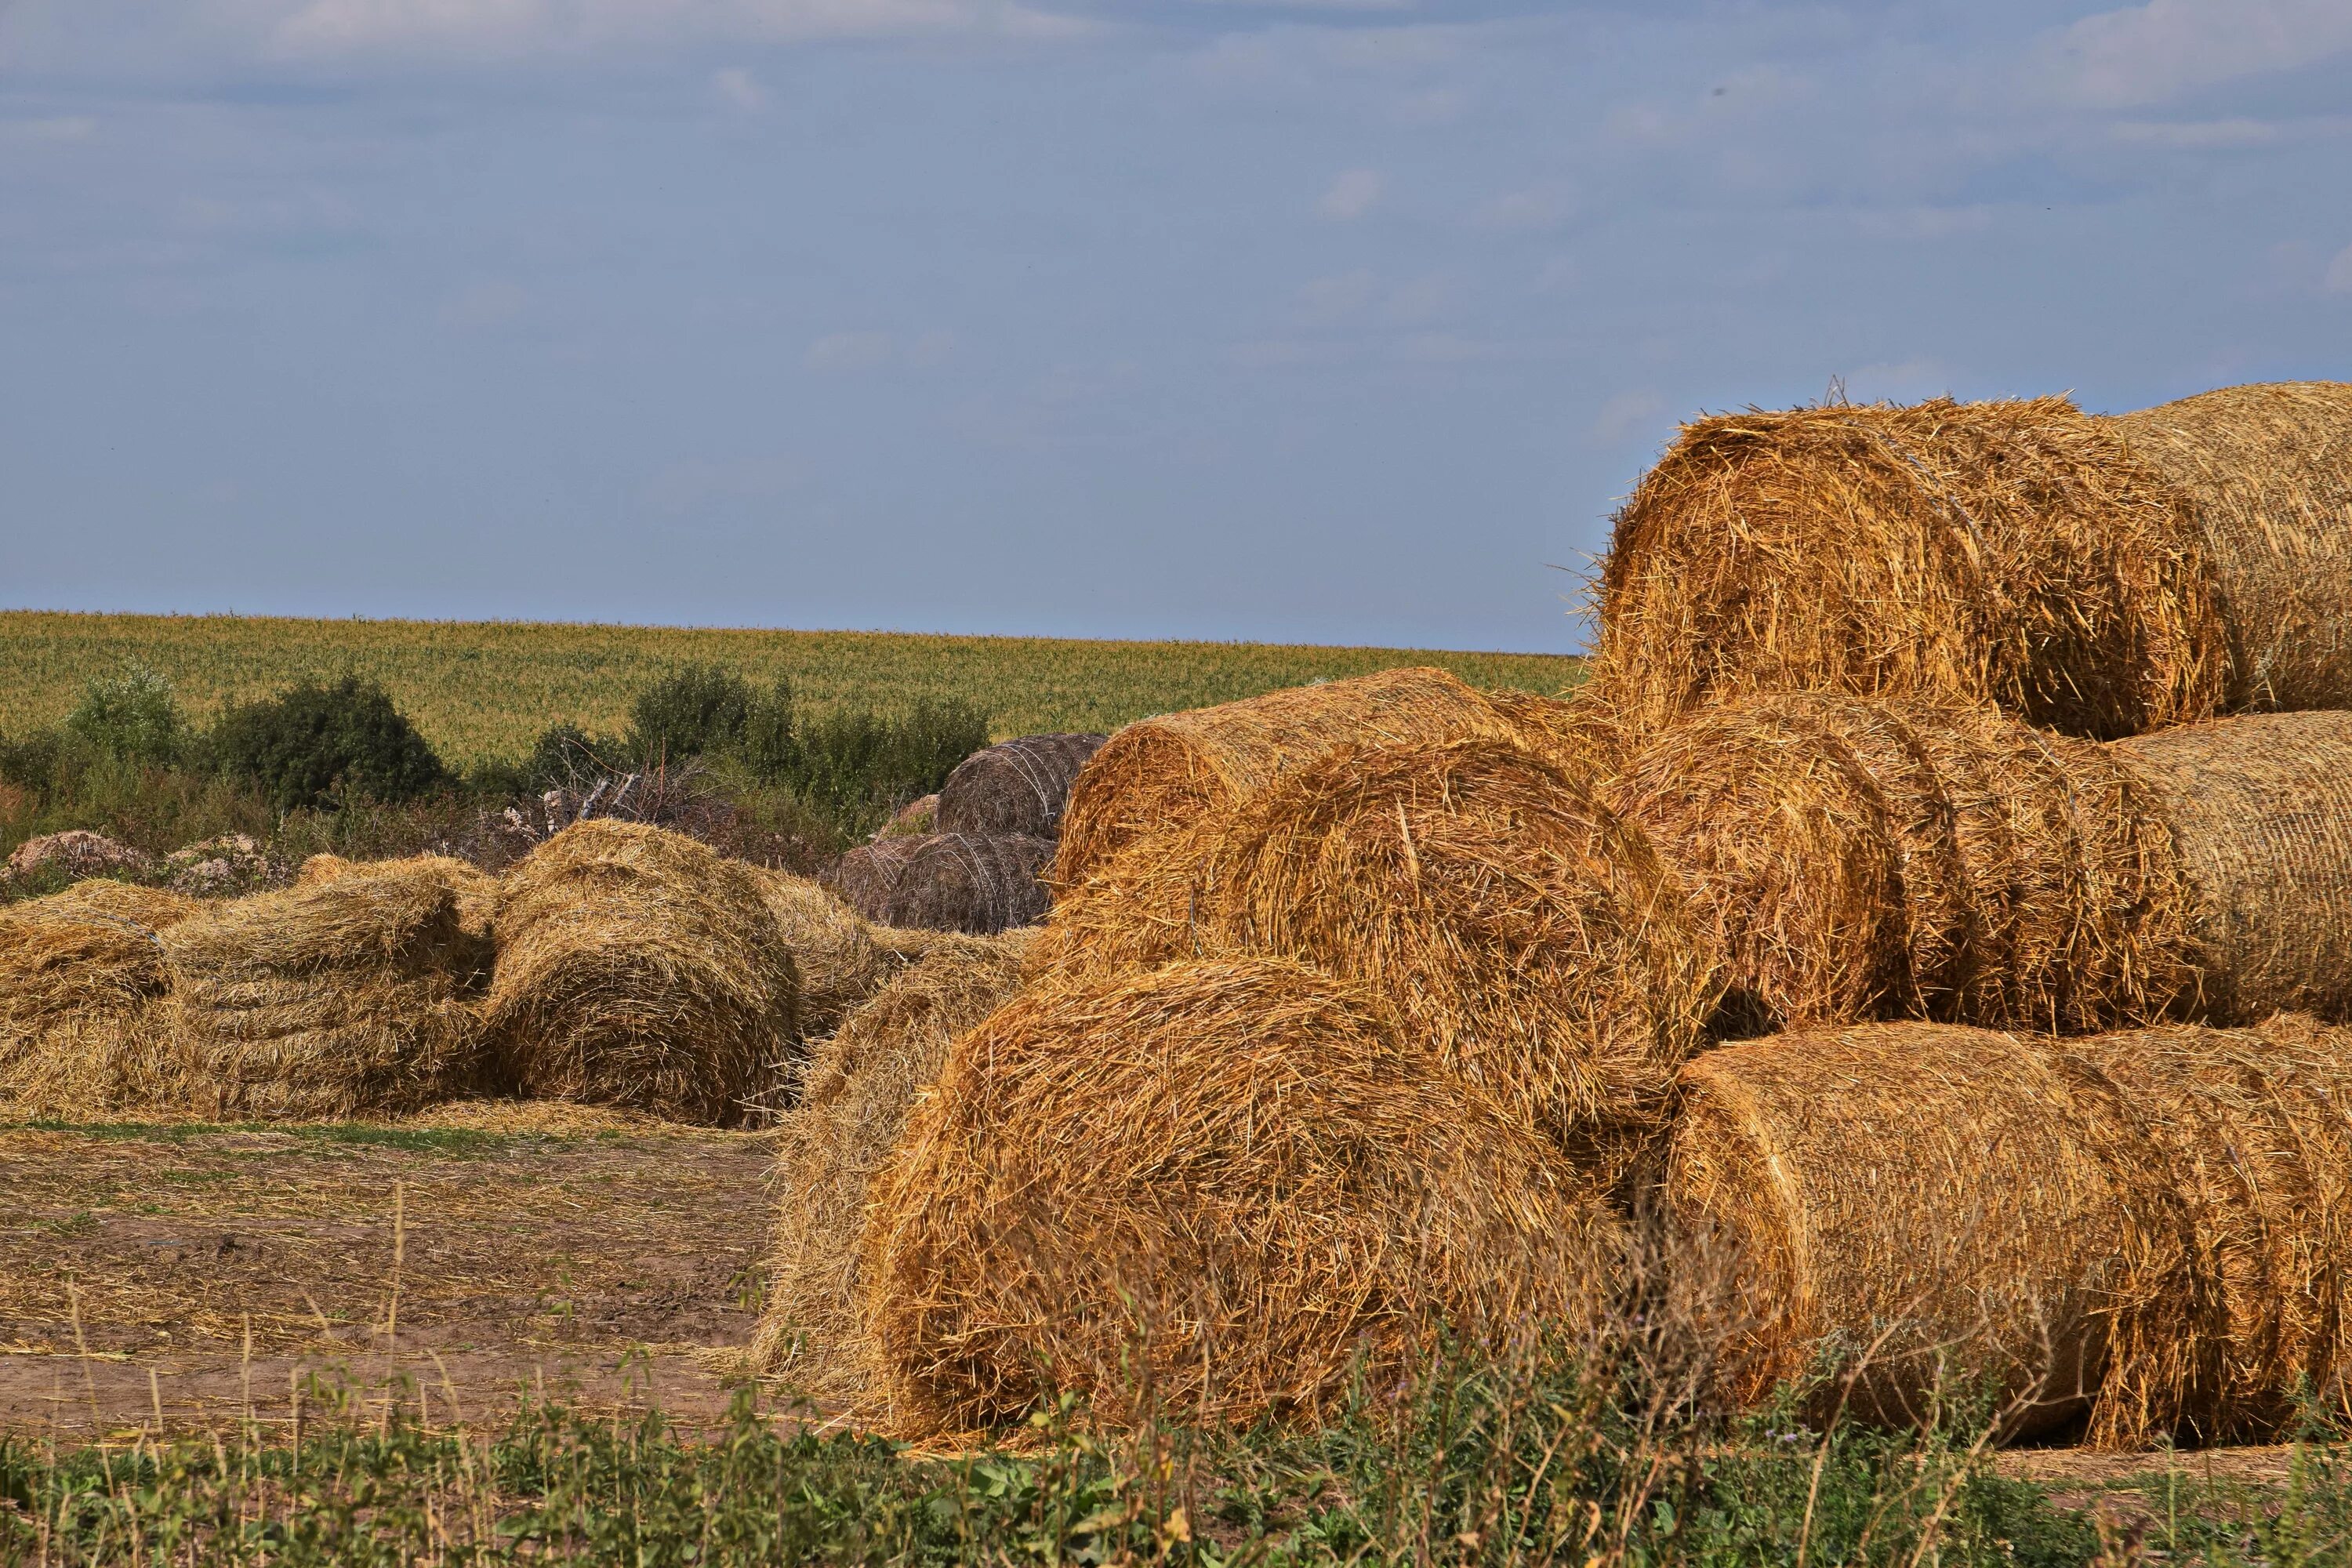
(2101, 577)
(345, 998)
(477, 892)
(1219, 1183)
(79, 970)
(1857, 859)
(982, 869)
(638, 968)
(858, 1088)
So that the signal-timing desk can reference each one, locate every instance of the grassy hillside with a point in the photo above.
(481, 689)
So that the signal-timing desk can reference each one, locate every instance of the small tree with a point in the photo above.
(692, 711)
(130, 717)
(312, 745)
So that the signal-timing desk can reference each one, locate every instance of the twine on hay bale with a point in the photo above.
(1184, 767)
(1519, 927)
(2259, 809)
(477, 889)
(341, 999)
(866, 878)
(2267, 472)
(638, 968)
(91, 952)
(857, 1091)
(1943, 1203)
(1016, 787)
(1220, 1182)
(961, 882)
(2257, 1127)
(1857, 859)
(2006, 553)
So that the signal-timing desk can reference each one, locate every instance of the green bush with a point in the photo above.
(691, 712)
(856, 766)
(312, 746)
(130, 718)
(771, 744)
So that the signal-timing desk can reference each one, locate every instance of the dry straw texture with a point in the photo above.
(1206, 1189)
(2256, 1126)
(93, 950)
(1181, 768)
(859, 1087)
(957, 883)
(835, 954)
(1862, 860)
(1940, 1205)
(2006, 553)
(2267, 472)
(1016, 787)
(477, 889)
(866, 878)
(638, 968)
(345, 998)
(1516, 923)
(2260, 813)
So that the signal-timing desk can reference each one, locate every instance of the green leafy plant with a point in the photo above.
(312, 746)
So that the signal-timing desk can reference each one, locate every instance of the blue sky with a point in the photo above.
(1340, 321)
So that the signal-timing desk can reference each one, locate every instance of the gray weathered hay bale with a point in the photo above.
(1972, 1205)
(857, 1091)
(341, 999)
(637, 967)
(866, 878)
(2259, 809)
(94, 949)
(1220, 1183)
(961, 882)
(2267, 472)
(1015, 787)
(2009, 554)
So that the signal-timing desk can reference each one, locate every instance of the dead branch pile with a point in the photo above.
(637, 968)
(1232, 1178)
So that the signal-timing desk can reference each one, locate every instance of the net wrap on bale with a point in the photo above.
(1944, 1205)
(638, 968)
(2267, 473)
(1221, 1181)
(2002, 552)
(1017, 787)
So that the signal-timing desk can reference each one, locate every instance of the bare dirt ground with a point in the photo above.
(197, 1272)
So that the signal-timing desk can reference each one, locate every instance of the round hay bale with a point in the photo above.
(345, 998)
(1188, 766)
(834, 952)
(477, 889)
(2257, 1128)
(1582, 733)
(1932, 1203)
(1014, 788)
(2006, 553)
(94, 949)
(1518, 926)
(955, 881)
(638, 968)
(858, 1088)
(1230, 1177)
(1153, 901)
(2267, 472)
(2258, 812)
(866, 878)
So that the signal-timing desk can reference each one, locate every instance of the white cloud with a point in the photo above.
(1344, 294)
(877, 350)
(58, 128)
(2338, 278)
(1624, 415)
(2145, 54)
(1538, 209)
(1924, 223)
(2196, 135)
(738, 90)
(501, 27)
(491, 302)
(1351, 195)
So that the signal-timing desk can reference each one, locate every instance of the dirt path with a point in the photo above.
(188, 1268)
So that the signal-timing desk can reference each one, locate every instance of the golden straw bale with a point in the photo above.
(1186, 766)
(2259, 810)
(1519, 927)
(834, 952)
(345, 998)
(637, 967)
(2267, 472)
(477, 889)
(93, 948)
(1935, 1201)
(1152, 901)
(857, 1091)
(2004, 553)
(1209, 1186)
(2258, 1130)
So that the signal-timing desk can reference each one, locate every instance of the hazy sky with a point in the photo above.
(1333, 320)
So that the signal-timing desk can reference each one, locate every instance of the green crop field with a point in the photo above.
(483, 690)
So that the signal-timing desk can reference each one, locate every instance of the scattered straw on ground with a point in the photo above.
(638, 968)
(1943, 1202)
(2267, 472)
(1232, 1177)
(2004, 553)
(859, 1087)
